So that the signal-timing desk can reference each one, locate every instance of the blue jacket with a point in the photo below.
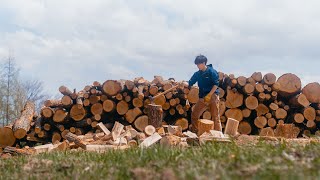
(206, 80)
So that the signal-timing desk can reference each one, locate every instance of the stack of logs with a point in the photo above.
(260, 103)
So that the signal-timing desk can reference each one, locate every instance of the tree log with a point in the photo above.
(234, 113)
(231, 127)
(312, 92)
(244, 127)
(268, 131)
(251, 102)
(299, 100)
(248, 88)
(193, 95)
(122, 107)
(234, 99)
(309, 113)
(141, 122)
(269, 79)
(183, 123)
(155, 115)
(298, 118)
(262, 109)
(132, 114)
(22, 125)
(281, 113)
(7, 137)
(257, 76)
(46, 112)
(112, 87)
(77, 113)
(149, 130)
(290, 85)
(65, 91)
(96, 109)
(260, 122)
(60, 115)
(109, 105)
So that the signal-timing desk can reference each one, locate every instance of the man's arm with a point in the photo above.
(215, 79)
(193, 79)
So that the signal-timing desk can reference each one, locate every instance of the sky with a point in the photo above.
(76, 42)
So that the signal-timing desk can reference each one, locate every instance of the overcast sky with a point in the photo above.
(75, 42)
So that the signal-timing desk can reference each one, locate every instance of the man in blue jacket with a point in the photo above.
(208, 82)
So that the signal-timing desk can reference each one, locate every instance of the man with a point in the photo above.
(208, 82)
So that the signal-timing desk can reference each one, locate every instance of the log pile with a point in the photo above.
(257, 102)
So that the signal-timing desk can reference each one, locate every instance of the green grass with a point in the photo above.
(212, 161)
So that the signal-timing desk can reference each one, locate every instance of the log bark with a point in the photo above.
(155, 115)
(53, 103)
(65, 91)
(22, 125)
(73, 138)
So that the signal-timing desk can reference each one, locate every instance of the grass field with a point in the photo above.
(211, 161)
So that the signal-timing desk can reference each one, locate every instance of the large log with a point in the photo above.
(112, 87)
(109, 106)
(290, 85)
(22, 125)
(77, 113)
(7, 137)
(60, 115)
(46, 112)
(260, 122)
(312, 92)
(234, 99)
(96, 109)
(257, 76)
(309, 113)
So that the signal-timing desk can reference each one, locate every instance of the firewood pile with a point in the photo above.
(263, 105)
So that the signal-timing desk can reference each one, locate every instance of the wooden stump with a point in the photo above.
(204, 125)
(155, 115)
(141, 122)
(231, 127)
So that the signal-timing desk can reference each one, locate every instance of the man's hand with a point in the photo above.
(207, 98)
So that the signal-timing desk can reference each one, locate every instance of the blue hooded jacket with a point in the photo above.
(206, 80)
